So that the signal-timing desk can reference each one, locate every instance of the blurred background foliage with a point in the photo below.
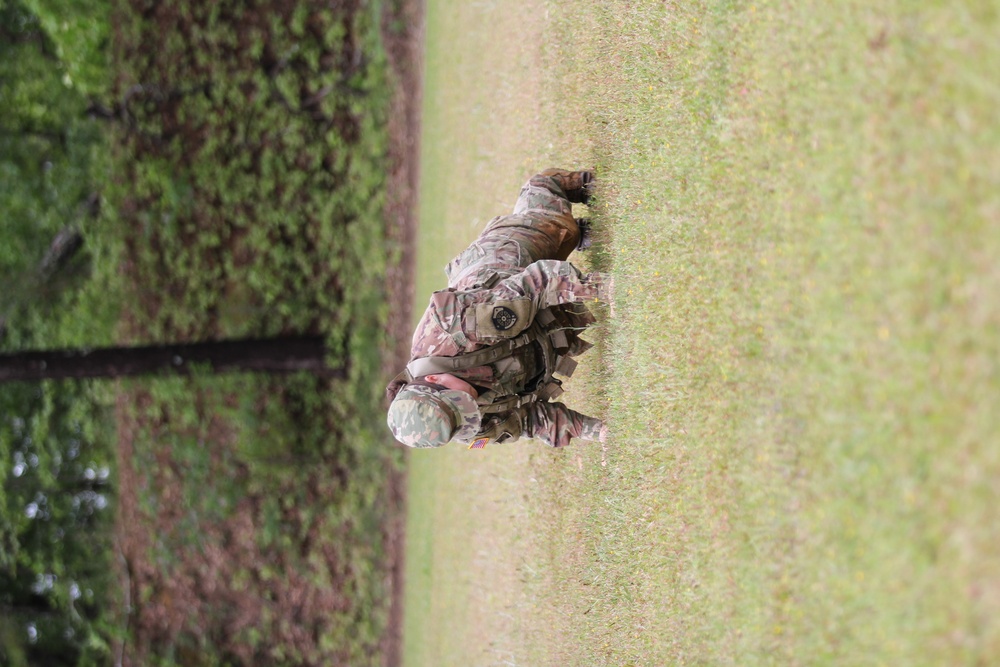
(179, 171)
(50, 150)
(56, 450)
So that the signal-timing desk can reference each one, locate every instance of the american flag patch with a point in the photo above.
(479, 443)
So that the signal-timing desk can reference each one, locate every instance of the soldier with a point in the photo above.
(491, 350)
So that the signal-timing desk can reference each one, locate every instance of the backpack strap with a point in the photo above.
(433, 365)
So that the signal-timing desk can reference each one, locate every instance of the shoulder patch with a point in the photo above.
(503, 318)
(479, 443)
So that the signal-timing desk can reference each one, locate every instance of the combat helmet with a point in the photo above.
(423, 415)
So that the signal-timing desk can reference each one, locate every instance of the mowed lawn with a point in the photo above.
(800, 203)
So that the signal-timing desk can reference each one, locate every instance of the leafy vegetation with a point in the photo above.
(56, 459)
(56, 527)
(225, 167)
(253, 161)
(48, 164)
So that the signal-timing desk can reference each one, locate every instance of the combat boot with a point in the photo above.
(586, 230)
(579, 186)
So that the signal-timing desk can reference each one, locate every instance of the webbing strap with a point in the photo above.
(432, 365)
(508, 403)
(500, 271)
(544, 392)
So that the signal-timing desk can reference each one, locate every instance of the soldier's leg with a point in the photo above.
(577, 185)
(554, 190)
(546, 202)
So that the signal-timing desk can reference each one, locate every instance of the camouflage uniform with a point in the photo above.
(514, 274)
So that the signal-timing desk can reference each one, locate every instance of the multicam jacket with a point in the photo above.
(511, 279)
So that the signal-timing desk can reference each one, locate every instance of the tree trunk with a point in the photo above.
(273, 355)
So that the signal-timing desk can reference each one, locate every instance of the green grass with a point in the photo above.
(800, 205)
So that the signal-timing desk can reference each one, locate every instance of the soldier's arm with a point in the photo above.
(550, 282)
(552, 423)
(555, 424)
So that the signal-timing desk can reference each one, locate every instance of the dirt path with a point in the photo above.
(405, 49)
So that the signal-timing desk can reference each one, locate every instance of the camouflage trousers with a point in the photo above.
(541, 227)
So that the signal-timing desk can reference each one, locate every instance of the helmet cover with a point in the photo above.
(422, 416)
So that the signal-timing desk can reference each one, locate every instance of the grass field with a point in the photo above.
(801, 205)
